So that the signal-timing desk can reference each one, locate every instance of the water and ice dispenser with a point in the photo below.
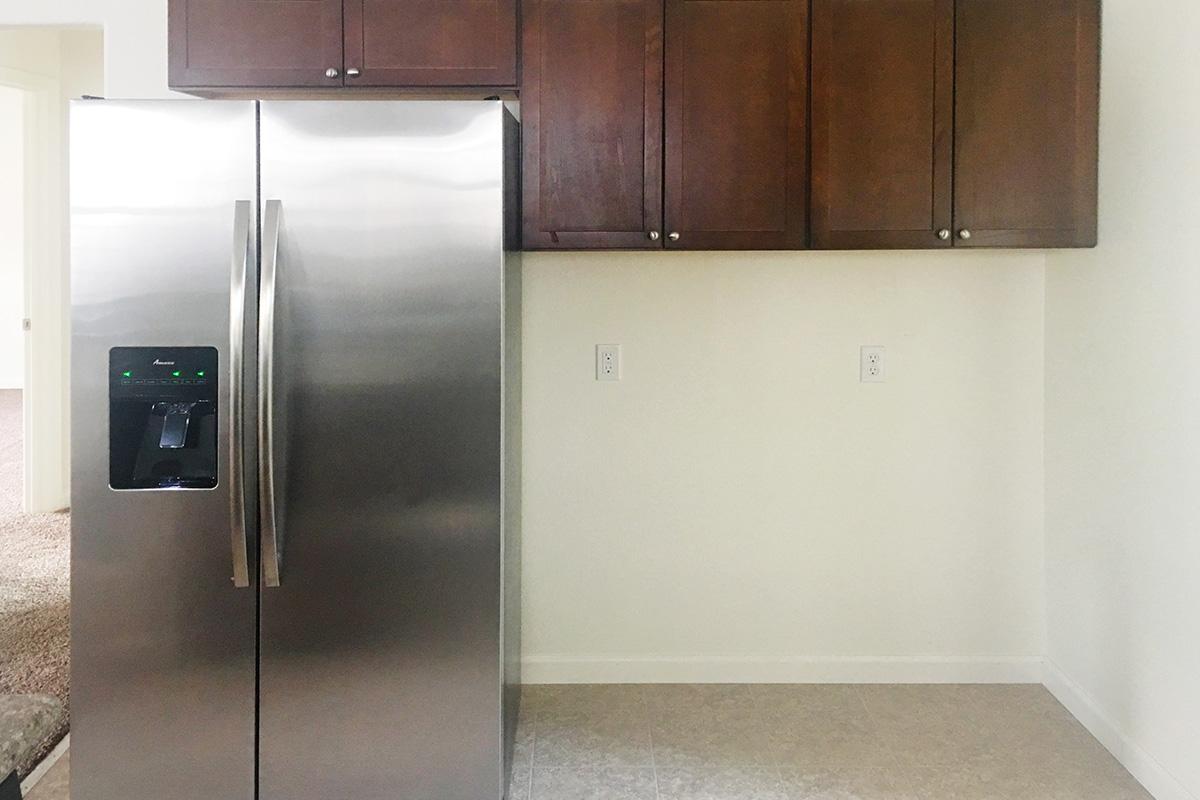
(162, 418)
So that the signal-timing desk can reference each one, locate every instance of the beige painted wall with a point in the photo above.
(739, 507)
(1123, 412)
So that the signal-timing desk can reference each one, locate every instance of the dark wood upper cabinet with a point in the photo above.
(882, 123)
(431, 42)
(217, 44)
(1026, 122)
(972, 120)
(591, 123)
(247, 43)
(709, 124)
(736, 140)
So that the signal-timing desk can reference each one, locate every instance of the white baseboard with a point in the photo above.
(1144, 767)
(736, 669)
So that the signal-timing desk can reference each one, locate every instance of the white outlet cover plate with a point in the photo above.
(608, 362)
(872, 365)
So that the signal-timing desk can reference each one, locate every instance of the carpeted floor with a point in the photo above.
(35, 581)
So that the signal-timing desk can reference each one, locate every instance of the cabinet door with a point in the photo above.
(736, 145)
(285, 43)
(1026, 123)
(591, 122)
(431, 42)
(882, 121)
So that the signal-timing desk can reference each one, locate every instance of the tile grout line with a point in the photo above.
(759, 705)
(532, 754)
(876, 728)
(533, 719)
(650, 731)
(774, 748)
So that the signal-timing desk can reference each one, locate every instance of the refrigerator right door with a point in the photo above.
(382, 283)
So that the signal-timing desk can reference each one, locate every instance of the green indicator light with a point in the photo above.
(200, 374)
(127, 374)
(176, 374)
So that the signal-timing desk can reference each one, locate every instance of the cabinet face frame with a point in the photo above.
(534, 118)
(502, 75)
(180, 75)
(973, 27)
(824, 178)
(794, 233)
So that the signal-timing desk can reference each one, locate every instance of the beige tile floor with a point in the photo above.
(808, 743)
(796, 743)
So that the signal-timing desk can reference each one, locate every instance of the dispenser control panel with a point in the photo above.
(150, 370)
(162, 411)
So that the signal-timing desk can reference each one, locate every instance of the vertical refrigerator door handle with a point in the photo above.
(271, 551)
(243, 251)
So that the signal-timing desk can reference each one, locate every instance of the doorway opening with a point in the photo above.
(12, 281)
(41, 70)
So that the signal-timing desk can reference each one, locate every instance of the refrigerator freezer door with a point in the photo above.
(380, 647)
(163, 669)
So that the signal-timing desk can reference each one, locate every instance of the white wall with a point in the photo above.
(773, 510)
(81, 60)
(12, 238)
(1123, 412)
(135, 35)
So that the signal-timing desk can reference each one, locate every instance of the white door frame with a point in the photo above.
(47, 294)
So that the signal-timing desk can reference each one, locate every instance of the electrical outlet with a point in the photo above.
(608, 362)
(872, 364)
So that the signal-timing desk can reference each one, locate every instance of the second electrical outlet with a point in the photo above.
(608, 362)
(872, 366)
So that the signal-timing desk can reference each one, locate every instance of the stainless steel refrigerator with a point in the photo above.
(295, 450)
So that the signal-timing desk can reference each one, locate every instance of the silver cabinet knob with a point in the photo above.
(332, 72)
(964, 234)
(673, 236)
(653, 236)
(353, 72)
(944, 234)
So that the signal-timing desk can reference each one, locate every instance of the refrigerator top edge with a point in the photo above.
(377, 101)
